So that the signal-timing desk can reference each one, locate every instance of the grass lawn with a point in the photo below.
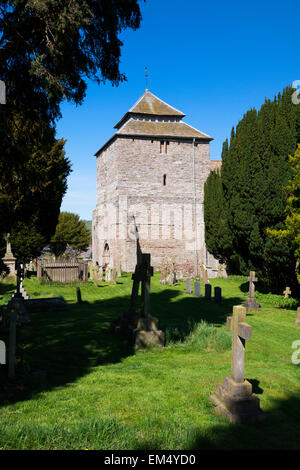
(99, 394)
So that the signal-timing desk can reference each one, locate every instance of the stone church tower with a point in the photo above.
(150, 185)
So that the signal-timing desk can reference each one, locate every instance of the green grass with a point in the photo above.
(99, 394)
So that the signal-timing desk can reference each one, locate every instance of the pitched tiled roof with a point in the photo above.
(163, 129)
(150, 104)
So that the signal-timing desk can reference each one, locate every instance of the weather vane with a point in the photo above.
(146, 77)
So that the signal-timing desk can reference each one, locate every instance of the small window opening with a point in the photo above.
(165, 180)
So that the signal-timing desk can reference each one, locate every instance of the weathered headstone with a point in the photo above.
(207, 288)
(9, 260)
(164, 271)
(298, 316)
(172, 274)
(20, 292)
(287, 293)
(119, 272)
(197, 288)
(205, 277)
(108, 274)
(78, 295)
(188, 286)
(234, 399)
(251, 303)
(113, 278)
(218, 295)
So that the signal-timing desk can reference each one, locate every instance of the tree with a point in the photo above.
(218, 237)
(254, 171)
(48, 48)
(71, 231)
(291, 233)
(33, 180)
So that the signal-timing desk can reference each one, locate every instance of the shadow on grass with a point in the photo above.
(68, 344)
(279, 431)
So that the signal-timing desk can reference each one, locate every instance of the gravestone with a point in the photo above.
(20, 292)
(188, 284)
(164, 271)
(298, 316)
(78, 295)
(205, 277)
(9, 260)
(218, 295)
(207, 291)
(108, 274)
(287, 292)
(251, 303)
(234, 399)
(119, 271)
(141, 326)
(197, 288)
(172, 274)
(113, 278)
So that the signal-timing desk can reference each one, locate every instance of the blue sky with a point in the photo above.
(211, 60)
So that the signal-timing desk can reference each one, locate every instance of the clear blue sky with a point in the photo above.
(211, 60)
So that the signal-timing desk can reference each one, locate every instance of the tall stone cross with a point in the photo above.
(287, 292)
(252, 279)
(143, 273)
(240, 332)
(251, 303)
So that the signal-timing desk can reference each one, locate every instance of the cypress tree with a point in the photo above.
(255, 170)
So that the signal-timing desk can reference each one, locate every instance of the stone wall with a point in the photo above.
(131, 194)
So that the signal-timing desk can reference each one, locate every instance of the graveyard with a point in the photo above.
(80, 386)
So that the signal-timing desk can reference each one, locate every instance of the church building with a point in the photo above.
(150, 188)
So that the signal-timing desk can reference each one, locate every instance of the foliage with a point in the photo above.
(49, 48)
(71, 231)
(291, 232)
(255, 168)
(33, 180)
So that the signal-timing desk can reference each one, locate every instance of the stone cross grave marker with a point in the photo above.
(9, 260)
(234, 399)
(188, 286)
(287, 292)
(240, 332)
(141, 324)
(251, 303)
(197, 288)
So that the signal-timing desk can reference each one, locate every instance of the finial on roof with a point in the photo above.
(146, 77)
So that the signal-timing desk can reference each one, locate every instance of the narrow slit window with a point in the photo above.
(165, 180)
